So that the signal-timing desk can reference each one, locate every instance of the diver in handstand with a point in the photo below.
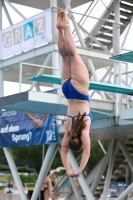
(75, 82)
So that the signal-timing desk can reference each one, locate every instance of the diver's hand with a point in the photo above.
(73, 174)
(70, 173)
(76, 175)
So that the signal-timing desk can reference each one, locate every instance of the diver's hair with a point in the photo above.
(75, 142)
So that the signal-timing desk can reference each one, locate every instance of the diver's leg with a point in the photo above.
(79, 72)
(66, 67)
(61, 45)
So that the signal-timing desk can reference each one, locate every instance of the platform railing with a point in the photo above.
(42, 68)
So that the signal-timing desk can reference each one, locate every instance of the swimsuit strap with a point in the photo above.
(73, 117)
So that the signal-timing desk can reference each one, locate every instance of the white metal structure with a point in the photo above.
(112, 115)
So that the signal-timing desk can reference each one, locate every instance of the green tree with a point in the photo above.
(96, 154)
(31, 155)
(2, 155)
(28, 179)
(5, 179)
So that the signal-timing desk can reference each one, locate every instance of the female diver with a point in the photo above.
(75, 82)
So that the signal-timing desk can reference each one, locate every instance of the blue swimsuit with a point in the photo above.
(71, 93)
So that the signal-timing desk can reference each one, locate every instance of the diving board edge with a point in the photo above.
(125, 57)
(93, 85)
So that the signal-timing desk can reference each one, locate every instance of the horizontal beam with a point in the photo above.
(95, 126)
(114, 131)
(104, 129)
(104, 105)
(125, 57)
(38, 102)
(126, 114)
(24, 57)
(34, 102)
(46, 49)
(103, 125)
(93, 85)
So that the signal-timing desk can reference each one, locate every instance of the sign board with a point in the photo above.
(25, 129)
(26, 35)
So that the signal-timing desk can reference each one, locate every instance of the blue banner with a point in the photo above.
(25, 129)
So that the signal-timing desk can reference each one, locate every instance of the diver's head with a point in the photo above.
(75, 144)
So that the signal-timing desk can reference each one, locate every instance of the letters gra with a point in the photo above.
(26, 35)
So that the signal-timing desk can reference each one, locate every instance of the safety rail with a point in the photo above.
(43, 67)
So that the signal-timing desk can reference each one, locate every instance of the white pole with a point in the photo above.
(92, 69)
(55, 54)
(41, 70)
(67, 5)
(102, 167)
(7, 13)
(102, 80)
(44, 170)
(125, 193)
(15, 173)
(1, 71)
(75, 189)
(101, 146)
(130, 25)
(126, 153)
(20, 76)
(13, 7)
(91, 176)
(53, 3)
(109, 171)
(117, 50)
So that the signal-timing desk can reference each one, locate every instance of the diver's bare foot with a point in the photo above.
(59, 19)
(62, 20)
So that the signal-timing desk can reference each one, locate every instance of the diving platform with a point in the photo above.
(34, 102)
(93, 85)
(103, 126)
(48, 103)
(105, 129)
(125, 57)
(46, 4)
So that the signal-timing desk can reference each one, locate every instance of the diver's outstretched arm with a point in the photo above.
(85, 155)
(64, 151)
(85, 138)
